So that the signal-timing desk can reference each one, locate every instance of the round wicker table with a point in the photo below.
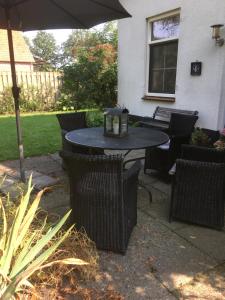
(137, 138)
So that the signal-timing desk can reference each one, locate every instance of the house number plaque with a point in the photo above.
(196, 68)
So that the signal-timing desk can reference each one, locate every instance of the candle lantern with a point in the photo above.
(116, 122)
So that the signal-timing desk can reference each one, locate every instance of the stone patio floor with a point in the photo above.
(164, 260)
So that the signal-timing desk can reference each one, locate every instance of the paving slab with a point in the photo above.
(13, 190)
(162, 187)
(7, 181)
(146, 178)
(43, 164)
(56, 157)
(55, 198)
(208, 286)
(60, 210)
(16, 174)
(209, 241)
(159, 207)
(43, 181)
(4, 169)
(174, 261)
(13, 186)
(131, 276)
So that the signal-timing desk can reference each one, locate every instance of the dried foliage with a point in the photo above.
(93, 294)
(37, 236)
(77, 245)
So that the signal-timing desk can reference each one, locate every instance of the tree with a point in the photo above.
(109, 34)
(84, 39)
(92, 79)
(44, 48)
(90, 75)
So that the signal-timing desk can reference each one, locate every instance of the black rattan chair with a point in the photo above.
(72, 121)
(198, 191)
(103, 198)
(69, 122)
(163, 157)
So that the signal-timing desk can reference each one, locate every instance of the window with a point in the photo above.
(163, 46)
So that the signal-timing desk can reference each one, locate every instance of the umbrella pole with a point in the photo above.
(16, 94)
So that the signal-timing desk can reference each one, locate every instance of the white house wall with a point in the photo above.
(205, 93)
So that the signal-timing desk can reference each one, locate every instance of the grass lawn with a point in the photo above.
(41, 135)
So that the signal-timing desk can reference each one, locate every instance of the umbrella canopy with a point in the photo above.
(55, 14)
(51, 14)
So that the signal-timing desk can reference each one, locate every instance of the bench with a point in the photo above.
(161, 117)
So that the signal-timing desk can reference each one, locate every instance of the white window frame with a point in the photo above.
(151, 42)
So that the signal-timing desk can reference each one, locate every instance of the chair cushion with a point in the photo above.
(165, 146)
(172, 171)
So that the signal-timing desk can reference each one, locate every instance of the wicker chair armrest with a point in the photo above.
(200, 153)
(191, 167)
(132, 171)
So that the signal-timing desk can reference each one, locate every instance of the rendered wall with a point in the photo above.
(205, 93)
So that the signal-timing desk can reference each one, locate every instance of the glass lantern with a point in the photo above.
(116, 122)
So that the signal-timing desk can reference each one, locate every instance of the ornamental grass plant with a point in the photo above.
(37, 253)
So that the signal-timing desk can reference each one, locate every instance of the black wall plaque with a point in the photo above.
(196, 68)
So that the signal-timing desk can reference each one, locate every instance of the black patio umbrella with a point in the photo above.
(26, 15)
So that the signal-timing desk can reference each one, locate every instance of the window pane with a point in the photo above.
(169, 81)
(171, 55)
(157, 56)
(162, 68)
(166, 28)
(156, 81)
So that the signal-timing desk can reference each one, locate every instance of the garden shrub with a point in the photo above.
(92, 80)
(31, 99)
(95, 118)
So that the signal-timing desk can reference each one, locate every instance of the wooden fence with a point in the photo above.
(40, 80)
(39, 90)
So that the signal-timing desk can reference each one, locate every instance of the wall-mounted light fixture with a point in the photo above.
(216, 34)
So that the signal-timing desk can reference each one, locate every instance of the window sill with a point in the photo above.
(159, 98)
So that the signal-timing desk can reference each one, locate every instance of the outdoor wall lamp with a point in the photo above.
(216, 34)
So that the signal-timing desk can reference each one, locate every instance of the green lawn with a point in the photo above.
(41, 135)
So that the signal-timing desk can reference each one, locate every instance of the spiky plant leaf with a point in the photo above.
(28, 243)
(4, 229)
(37, 248)
(9, 250)
(28, 219)
(33, 267)
(23, 253)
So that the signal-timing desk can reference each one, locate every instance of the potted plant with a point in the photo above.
(220, 144)
(200, 138)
